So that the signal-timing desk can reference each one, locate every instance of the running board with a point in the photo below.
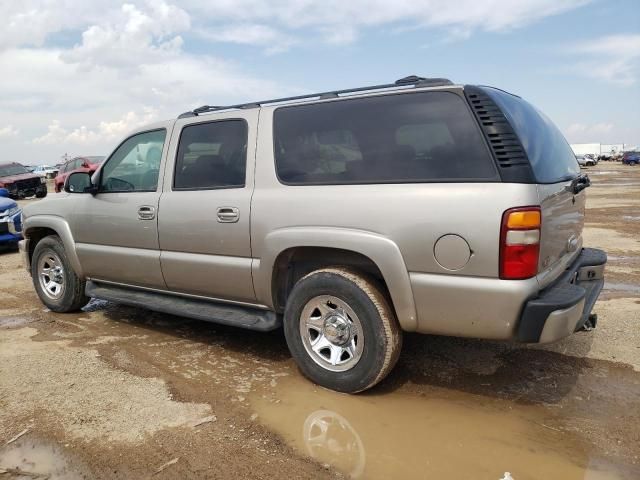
(226, 314)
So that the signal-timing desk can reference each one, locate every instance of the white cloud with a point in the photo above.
(29, 22)
(339, 21)
(8, 131)
(613, 58)
(262, 36)
(55, 134)
(104, 132)
(132, 37)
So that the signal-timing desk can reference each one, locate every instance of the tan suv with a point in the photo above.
(347, 217)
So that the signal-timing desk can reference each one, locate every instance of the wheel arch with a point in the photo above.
(40, 226)
(293, 252)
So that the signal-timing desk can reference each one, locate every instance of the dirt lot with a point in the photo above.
(119, 392)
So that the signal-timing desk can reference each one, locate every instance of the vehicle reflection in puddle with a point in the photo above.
(33, 459)
(446, 435)
(329, 436)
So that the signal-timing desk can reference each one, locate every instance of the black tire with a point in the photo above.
(382, 337)
(72, 297)
(41, 194)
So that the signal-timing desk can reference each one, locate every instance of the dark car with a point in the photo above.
(631, 158)
(78, 164)
(20, 183)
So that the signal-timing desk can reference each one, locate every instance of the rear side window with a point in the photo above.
(212, 155)
(551, 157)
(402, 138)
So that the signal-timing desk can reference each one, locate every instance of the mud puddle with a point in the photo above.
(27, 458)
(439, 435)
(12, 322)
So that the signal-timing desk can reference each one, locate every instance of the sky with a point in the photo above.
(77, 75)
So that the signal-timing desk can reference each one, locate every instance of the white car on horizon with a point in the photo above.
(45, 171)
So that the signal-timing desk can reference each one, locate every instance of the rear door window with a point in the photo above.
(212, 155)
(550, 155)
(400, 138)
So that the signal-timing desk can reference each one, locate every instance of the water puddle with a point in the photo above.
(622, 287)
(633, 218)
(36, 460)
(11, 322)
(439, 435)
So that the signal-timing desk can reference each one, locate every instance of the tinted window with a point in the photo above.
(135, 165)
(417, 137)
(212, 155)
(551, 157)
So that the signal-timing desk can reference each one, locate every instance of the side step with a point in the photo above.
(234, 315)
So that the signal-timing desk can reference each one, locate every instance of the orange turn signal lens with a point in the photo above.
(524, 219)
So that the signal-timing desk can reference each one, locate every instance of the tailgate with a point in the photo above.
(561, 232)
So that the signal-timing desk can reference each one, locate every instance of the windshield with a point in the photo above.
(551, 157)
(12, 169)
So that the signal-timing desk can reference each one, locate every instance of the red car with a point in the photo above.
(77, 164)
(20, 182)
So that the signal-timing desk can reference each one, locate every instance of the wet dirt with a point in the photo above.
(119, 392)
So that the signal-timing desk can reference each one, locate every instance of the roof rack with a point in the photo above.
(411, 80)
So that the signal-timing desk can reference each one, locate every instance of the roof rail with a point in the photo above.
(411, 80)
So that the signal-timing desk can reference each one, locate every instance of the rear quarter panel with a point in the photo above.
(412, 216)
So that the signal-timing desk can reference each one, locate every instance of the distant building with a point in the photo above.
(601, 148)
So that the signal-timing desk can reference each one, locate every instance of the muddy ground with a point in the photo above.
(119, 392)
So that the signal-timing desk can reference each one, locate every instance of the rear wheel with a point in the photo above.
(57, 285)
(341, 330)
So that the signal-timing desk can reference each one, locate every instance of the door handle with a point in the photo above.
(228, 215)
(146, 212)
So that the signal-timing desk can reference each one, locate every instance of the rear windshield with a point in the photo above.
(402, 138)
(551, 157)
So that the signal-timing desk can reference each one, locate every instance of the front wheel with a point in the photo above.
(57, 285)
(341, 330)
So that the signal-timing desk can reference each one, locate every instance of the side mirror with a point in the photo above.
(84, 165)
(4, 192)
(79, 182)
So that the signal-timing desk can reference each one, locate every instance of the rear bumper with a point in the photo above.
(564, 306)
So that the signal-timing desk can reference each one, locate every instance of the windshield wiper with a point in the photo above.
(580, 183)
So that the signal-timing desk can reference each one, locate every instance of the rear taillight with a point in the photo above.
(520, 243)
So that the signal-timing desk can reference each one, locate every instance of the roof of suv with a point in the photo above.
(412, 81)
